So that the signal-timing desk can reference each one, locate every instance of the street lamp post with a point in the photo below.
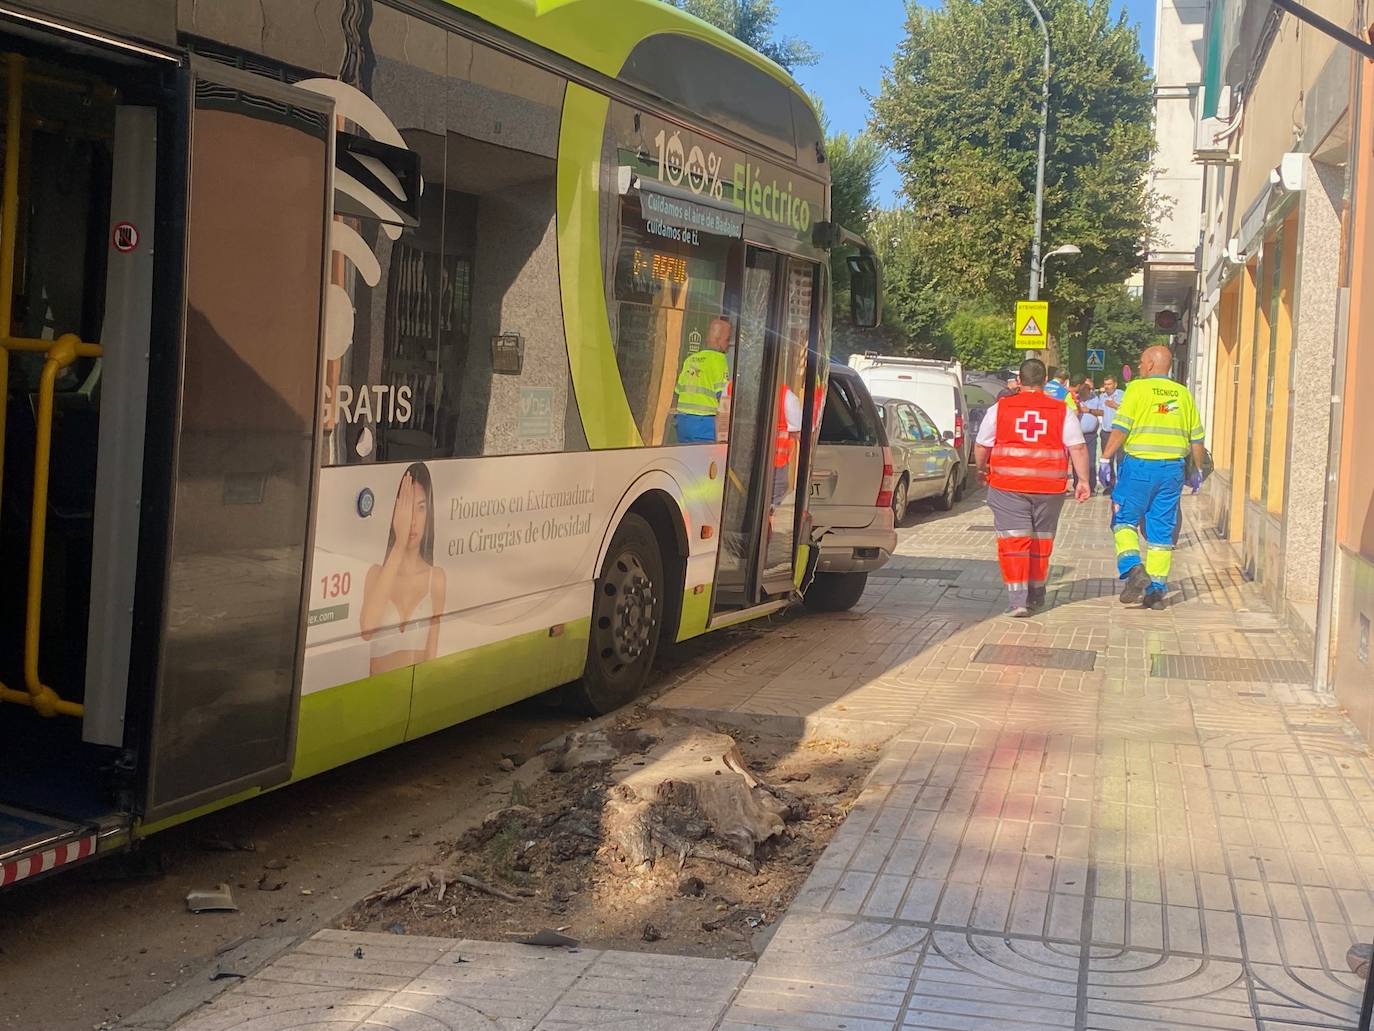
(1036, 267)
(1067, 250)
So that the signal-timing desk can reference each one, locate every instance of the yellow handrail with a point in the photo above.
(59, 354)
(9, 223)
(62, 353)
(9, 226)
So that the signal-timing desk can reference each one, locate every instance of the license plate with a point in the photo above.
(815, 489)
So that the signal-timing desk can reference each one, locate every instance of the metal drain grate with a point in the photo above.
(917, 574)
(981, 528)
(1037, 657)
(1230, 670)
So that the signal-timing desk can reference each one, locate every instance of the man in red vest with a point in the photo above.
(1020, 451)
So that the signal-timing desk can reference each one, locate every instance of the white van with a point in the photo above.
(933, 385)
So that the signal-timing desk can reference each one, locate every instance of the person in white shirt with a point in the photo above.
(1025, 445)
(1090, 414)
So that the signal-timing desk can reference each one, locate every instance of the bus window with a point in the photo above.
(667, 293)
(789, 406)
(504, 382)
(458, 350)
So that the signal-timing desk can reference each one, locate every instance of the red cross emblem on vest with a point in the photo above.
(1032, 427)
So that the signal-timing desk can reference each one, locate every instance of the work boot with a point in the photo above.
(1018, 611)
(1154, 599)
(1137, 583)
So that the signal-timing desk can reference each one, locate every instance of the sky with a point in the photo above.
(855, 50)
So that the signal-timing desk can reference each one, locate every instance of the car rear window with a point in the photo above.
(850, 417)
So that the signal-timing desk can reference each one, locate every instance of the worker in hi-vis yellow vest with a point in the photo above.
(702, 386)
(1157, 426)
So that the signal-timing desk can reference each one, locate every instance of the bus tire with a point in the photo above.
(835, 592)
(627, 621)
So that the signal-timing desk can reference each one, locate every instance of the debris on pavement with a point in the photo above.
(214, 844)
(549, 940)
(219, 900)
(1358, 958)
(658, 832)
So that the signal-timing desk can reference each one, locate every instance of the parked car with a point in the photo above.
(924, 462)
(980, 394)
(936, 385)
(852, 480)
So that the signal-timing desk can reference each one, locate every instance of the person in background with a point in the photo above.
(1013, 387)
(702, 386)
(1157, 425)
(1057, 386)
(1110, 396)
(1020, 451)
(1089, 418)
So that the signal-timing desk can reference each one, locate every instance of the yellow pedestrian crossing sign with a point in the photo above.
(1032, 324)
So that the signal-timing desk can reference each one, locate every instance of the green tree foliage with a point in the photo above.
(914, 314)
(982, 338)
(854, 163)
(961, 107)
(752, 22)
(1118, 326)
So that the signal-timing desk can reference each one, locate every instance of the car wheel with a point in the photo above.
(961, 474)
(627, 621)
(946, 499)
(901, 500)
(835, 592)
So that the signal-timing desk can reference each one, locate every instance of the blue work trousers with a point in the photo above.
(695, 429)
(1147, 490)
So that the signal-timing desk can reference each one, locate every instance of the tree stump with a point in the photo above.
(690, 779)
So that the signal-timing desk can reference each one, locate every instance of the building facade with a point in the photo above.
(1281, 135)
(1171, 257)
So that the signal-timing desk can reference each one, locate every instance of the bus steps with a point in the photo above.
(32, 843)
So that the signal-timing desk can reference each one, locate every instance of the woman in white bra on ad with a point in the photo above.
(403, 597)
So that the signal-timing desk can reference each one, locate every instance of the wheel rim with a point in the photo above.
(899, 500)
(625, 613)
(949, 489)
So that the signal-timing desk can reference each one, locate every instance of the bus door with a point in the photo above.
(761, 514)
(79, 161)
(227, 692)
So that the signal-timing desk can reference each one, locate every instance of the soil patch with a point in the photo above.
(660, 834)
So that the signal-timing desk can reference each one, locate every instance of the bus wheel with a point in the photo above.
(627, 621)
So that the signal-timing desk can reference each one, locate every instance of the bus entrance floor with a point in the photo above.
(1098, 817)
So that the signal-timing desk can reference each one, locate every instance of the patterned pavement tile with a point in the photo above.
(360, 981)
(1114, 850)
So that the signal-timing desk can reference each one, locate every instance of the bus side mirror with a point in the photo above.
(865, 290)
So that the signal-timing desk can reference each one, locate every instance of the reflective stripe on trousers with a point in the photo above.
(1148, 491)
(1025, 525)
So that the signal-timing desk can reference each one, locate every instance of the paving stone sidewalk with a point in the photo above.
(1098, 818)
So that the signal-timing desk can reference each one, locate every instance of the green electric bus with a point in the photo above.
(353, 379)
